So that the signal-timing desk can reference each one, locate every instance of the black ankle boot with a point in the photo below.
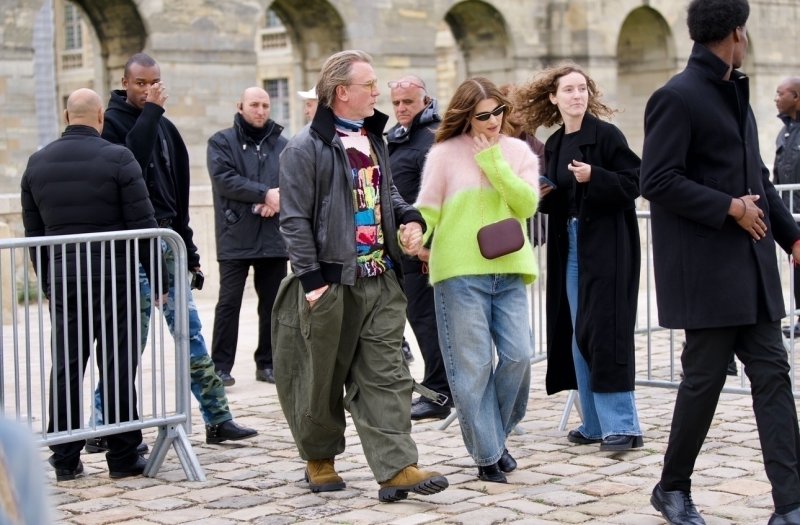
(491, 473)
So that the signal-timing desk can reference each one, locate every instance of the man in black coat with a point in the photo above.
(135, 118)
(716, 218)
(409, 141)
(243, 166)
(82, 183)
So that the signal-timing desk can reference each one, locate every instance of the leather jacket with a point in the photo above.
(317, 215)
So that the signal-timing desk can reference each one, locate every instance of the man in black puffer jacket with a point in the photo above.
(83, 184)
(243, 166)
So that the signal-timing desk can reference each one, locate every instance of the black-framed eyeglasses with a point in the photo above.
(496, 112)
(371, 85)
(403, 84)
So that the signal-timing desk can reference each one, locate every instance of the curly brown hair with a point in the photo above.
(459, 113)
(533, 99)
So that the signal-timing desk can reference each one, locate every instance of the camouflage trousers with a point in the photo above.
(206, 386)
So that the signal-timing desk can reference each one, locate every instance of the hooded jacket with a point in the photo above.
(408, 149)
(317, 213)
(242, 171)
(158, 148)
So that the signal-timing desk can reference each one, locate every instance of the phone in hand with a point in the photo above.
(547, 182)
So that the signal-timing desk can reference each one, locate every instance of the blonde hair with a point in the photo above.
(459, 113)
(533, 98)
(336, 72)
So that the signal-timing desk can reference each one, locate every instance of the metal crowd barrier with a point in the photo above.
(27, 312)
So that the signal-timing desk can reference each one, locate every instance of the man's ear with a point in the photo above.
(239, 106)
(66, 117)
(427, 100)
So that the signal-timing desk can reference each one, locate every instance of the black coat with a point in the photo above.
(241, 172)
(407, 153)
(82, 183)
(700, 151)
(608, 262)
(154, 139)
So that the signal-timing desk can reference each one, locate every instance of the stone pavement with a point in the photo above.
(261, 480)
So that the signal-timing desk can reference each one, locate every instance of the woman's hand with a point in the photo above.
(581, 170)
(480, 142)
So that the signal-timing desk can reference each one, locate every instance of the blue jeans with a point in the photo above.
(472, 312)
(604, 414)
(205, 384)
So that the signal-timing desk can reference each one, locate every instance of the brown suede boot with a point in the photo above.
(322, 477)
(411, 479)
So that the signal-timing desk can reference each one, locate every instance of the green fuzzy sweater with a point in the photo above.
(462, 191)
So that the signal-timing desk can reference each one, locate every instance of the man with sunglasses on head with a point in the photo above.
(409, 141)
(338, 320)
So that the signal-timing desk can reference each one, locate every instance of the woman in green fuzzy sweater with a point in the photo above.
(476, 175)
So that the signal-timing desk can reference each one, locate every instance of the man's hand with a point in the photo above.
(157, 94)
(796, 253)
(424, 254)
(161, 300)
(749, 216)
(272, 203)
(411, 238)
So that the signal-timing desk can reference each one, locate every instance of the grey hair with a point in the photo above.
(336, 72)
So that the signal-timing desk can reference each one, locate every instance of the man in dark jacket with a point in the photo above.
(716, 218)
(409, 141)
(787, 162)
(135, 118)
(338, 320)
(243, 165)
(81, 183)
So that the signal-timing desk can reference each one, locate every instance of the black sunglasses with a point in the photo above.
(496, 112)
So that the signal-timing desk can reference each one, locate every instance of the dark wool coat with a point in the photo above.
(701, 150)
(608, 262)
(242, 171)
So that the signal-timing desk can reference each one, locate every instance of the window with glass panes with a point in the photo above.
(278, 89)
(73, 39)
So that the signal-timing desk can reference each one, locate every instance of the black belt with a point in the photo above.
(165, 223)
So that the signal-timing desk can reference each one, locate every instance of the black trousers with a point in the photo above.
(75, 329)
(760, 349)
(268, 273)
(421, 313)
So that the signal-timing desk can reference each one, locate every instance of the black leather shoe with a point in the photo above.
(132, 470)
(676, 506)
(621, 442)
(66, 474)
(790, 518)
(427, 409)
(95, 445)
(575, 436)
(733, 370)
(266, 375)
(227, 378)
(227, 431)
(506, 462)
(491, 473)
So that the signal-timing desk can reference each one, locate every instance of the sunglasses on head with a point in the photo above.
(403, 84)
(496, 112)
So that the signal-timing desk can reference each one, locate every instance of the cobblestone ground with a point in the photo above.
(261, 480)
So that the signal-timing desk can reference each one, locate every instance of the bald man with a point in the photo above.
(787, 161)
(78, 184)
(243, 165)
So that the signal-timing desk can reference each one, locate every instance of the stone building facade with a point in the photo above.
(210, 51)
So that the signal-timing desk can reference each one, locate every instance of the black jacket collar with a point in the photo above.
(80, 129)
(324, 125)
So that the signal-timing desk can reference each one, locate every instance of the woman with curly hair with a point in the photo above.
(593, 254)
(476, 175)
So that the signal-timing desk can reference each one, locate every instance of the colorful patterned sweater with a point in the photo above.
(371, 259)
(462, 191)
